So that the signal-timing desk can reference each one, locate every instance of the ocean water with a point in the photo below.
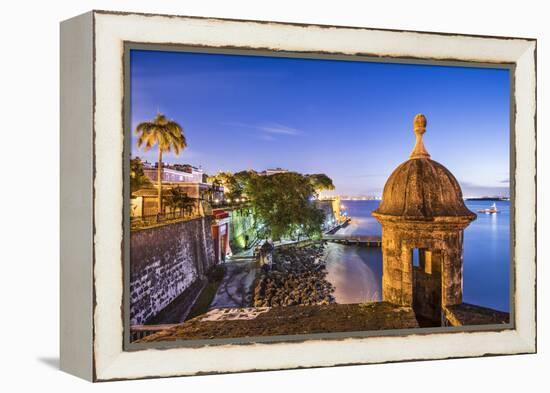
(356, 272)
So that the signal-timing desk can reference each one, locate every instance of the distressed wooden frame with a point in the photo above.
(92, 146)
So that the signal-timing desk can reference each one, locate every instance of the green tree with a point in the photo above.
(167, 135)
(241, 184)
(282, 202)
(235, 185)
(138, 179)
(224, 179)
(320, 182)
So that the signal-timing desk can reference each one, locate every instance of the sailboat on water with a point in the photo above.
(491, 210)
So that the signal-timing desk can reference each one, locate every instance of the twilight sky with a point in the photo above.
(350, 120)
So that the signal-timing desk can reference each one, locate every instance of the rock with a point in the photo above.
(298, 277)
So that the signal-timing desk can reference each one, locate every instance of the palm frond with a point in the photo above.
(166, 133)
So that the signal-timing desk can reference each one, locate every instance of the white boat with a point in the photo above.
(491, 210)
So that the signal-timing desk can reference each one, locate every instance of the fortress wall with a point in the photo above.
(165, 261)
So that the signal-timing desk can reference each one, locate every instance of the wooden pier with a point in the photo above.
(368, 241)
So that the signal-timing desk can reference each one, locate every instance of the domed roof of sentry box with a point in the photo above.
(420, 188)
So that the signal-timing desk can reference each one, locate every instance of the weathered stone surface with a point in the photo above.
(164, 262)
(421, 189)
(296, 320)
(177, 310)
(331, 211)
(427, 294)
(422, 208)
(468, 314)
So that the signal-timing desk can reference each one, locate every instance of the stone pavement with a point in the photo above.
(277, 321)
(236, 287)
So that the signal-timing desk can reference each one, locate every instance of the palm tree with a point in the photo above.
(168, 135)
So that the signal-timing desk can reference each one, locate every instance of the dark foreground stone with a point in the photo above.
(293, 320)
(468, 314)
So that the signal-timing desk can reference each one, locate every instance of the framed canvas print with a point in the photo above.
(245, 195)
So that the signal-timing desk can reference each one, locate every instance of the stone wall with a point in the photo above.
(331, 210)
(469, 314)
(242, 225)
(164, 262)
(398, 242)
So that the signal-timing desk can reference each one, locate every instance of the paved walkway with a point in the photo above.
(233, 314)
(236, 287)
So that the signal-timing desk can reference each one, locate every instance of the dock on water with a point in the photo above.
(368, 241)
(339, 226)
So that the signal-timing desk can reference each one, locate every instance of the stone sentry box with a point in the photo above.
(94, 252)
(422, 209)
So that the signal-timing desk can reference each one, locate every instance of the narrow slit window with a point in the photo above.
(416, 257)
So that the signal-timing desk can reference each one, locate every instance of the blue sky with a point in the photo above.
(350, 120)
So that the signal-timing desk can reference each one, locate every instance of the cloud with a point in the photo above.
(279, 129)
(267, 131)
(505, 181)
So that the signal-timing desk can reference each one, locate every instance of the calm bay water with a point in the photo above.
(356, 272)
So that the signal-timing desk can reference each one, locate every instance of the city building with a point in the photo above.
(174, 173)
(190, 179)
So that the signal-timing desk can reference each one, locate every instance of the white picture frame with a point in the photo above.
(92, 235)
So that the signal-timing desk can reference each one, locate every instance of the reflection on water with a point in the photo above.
(487, 257)
(362, 222)
(356, 272)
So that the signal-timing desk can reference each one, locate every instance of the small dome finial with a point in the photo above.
(419, 124)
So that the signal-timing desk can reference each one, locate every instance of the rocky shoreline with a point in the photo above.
(297, 277)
